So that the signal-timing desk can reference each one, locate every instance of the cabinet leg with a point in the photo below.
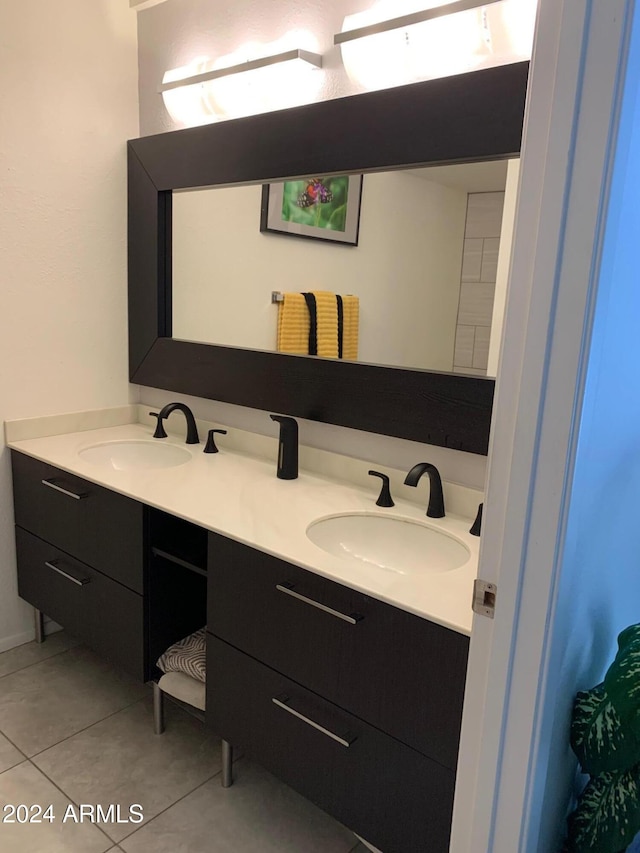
(227, 761)
(158, 709)
(38, 618)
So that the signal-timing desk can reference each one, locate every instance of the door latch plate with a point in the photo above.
(484, 598)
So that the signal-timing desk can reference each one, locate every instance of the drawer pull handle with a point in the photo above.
(289, 590)
(53, 564)
(283, 702)
(52, 485)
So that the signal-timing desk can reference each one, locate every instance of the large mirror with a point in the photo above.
(424, 270)
(202, 271)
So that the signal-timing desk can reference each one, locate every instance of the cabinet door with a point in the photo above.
(397, 671)
(389, 794)
(95, 525)
(102, 613)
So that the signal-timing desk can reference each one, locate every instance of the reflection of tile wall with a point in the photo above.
(478, 281)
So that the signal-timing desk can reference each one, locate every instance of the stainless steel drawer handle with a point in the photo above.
(283, 702)
(289, 590)
(53, 564)
(52, 485)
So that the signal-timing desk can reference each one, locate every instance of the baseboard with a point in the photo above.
(6, 643)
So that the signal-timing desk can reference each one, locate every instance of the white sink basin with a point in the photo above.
(132, 454)
(387, 542)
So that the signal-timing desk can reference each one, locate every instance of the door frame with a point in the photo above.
(575, 86)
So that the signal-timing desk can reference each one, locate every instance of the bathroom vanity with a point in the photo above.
(343, 677)
(325, 678)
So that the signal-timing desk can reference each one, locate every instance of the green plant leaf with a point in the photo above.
(607, 816)
(622, 681)
(598, 739)
(628, 636)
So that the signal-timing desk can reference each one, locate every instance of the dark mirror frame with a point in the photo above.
(469, 117)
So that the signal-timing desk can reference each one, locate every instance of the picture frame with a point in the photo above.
(316, 208)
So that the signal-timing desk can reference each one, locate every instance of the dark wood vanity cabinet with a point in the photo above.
(80, 551)
(353, 702)
(396, 798)
(93, 524)
(389, 667)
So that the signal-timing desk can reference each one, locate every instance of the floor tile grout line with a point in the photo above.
(143, 699)
(116, 844)
(35, 662)
(188, 794)
(17, 764)
(15, 746)
(29, 759)
(13, 766)
(170, 806)
(70, 800)
(84, 728)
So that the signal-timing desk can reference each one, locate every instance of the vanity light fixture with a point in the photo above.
(381, 48)
(205, 90)
(314, 59)
(410, 20)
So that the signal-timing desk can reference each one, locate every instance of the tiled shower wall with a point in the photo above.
(478, 281)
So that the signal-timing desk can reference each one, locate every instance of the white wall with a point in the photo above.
(405, 269)
(175, 32)
(68, 101)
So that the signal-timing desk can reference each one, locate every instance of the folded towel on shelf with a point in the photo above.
(187, 656)
(293, 324)
(350, 326)
(185, 688)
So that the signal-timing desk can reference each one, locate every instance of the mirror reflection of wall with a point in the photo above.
(425, 269)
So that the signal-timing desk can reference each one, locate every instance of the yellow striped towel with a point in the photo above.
(293, 324)
(350, 325)
(327, 308)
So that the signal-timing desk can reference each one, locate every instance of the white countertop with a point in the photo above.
(239, 496)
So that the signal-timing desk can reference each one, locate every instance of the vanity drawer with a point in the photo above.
(394, 797)
(95, 525)
(403, 674)
(105, 615)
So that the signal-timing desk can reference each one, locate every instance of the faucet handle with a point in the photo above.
(210, 446)
(160, 432)
(475, 527)
(384, 499)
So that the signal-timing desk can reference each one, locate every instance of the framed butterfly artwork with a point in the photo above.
(317, 208)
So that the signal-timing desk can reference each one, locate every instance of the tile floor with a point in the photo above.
(74, 731)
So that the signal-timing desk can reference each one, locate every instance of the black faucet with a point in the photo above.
(192, 429)
(384, 498)
(287, 447)
(436, 498)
